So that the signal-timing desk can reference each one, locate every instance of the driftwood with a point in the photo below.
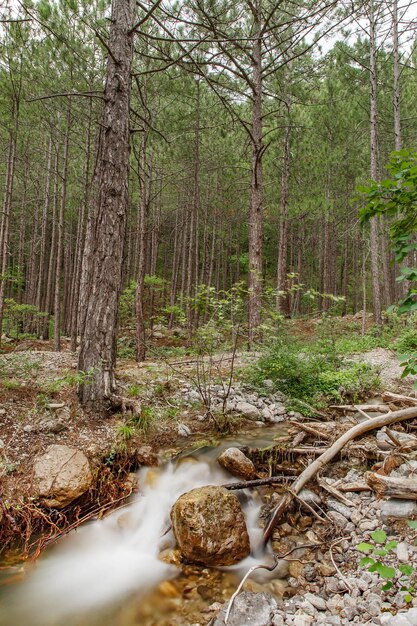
(390, 487)
(388, 396)
(317, 432)
(257, 482)
(333, 491)
(355, 486)
(328, 455)
(371, 408)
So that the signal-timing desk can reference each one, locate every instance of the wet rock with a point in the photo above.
(61, 475)
(248, 410)
(209, 526)
(237, 463)
(146, 456)
(254, 609)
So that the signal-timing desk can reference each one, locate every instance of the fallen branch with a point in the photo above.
(372, 408)
(333, 491)
(397, 397)
(257, 482)
(328, 455)
(317, 432)
(390, 487)
(270, 568)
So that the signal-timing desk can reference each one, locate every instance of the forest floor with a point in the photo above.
(39, 407)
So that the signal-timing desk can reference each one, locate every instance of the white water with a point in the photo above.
(106, 560)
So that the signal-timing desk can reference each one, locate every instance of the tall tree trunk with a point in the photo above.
(255, 212)
(103, 256)
(282, 301)
(376, 282)
(60, 238)
(142, 229)
(41, 272)
(79, 249)
(397, 74)
(5, 221)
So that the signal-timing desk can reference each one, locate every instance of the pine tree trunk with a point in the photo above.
(60, 239)
(103, 256)
(5, 221)
(376, 282)
(255, 212)
(282, 301)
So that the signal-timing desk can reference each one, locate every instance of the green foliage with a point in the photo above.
(126, 348)
(134, 391)
(407, 342)
(311, 377)
(398, 576)
(17, 316)
(70, 379)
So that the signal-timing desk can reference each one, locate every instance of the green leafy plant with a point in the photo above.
(399, 576)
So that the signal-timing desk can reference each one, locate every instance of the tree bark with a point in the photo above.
(255, 212)
(375, 174)
(103, 256)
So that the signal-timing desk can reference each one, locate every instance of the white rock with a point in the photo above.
(267, 414)
(318, 602)
(400, 509)
(183, 430)
(402, 552)
(250, 411)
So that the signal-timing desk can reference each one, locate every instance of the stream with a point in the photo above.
(119, 571)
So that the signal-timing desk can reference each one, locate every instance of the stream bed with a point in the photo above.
(124, 570)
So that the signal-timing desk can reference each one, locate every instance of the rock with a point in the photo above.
(29, 428)
(400, 509)
(250, 411)
(249, 609)
(318, 602)
(310, 497)
(268, 383)
(267, 414)
(61, 475)
(209, 526)
(53, 426)
(237, 463)
(146, 456)
(277, 620)
(55, 405)
(402, 552)
(2, 411)
(337, 506)
(338, 519)
(412, 616)
(1, 444)
(183, 430)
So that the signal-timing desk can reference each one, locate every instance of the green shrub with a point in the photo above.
(312, 377)
(407, 342)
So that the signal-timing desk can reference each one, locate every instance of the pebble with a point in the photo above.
(318, 602)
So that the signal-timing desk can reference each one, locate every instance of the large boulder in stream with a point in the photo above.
(209, 526)
(61, 475)
(237, 463)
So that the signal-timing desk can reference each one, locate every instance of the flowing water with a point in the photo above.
(112, 573)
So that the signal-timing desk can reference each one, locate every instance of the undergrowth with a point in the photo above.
(313, 374)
